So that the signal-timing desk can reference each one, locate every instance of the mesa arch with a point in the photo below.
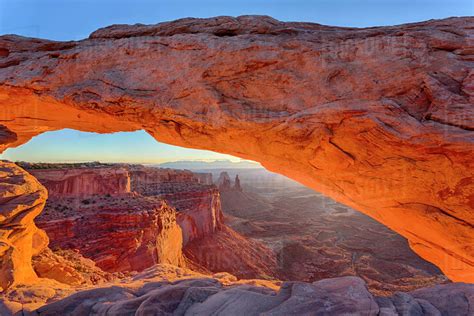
(381, 119)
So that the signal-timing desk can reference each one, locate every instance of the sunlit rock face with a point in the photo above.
(22, 198)
(82, 182)
(208, 244)
(380, 119)
(134, 231)
(128, 234)
(68, 267)
(196, 200)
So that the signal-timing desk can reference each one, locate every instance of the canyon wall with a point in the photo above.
(380, 119)
(137, 230)
(141, 175)
(204, 178)
(80, 182)
(198, 204)
(119, 235)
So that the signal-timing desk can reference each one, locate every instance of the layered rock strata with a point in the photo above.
(380, 118)
(198, 205)
(137, 230)
(81, 182)
(127, 234)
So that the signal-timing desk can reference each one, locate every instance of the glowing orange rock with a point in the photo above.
(380, 119)
(22, 198)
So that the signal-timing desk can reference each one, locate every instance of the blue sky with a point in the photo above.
(76, 19)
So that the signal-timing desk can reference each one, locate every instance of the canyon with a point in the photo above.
(161, 216)
(315, 237)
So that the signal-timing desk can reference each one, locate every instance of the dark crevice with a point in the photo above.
(429, 117)
(7, 136)
(342, 150)
(225, 33)
(11, 63)
(434, 209)
(56, 46)
(4, 52)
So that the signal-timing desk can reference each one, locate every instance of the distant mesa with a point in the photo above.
(225, 184)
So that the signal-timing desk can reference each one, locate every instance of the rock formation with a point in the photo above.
(22, 198)
(380, 118)
(81, 182)
(142, 176)
(69, 267)
(237, 186)
(118, 234)
(223, 182)
(208, 243)
(137, 230)
(198, 205)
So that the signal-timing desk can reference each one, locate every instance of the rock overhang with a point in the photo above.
(378, 118)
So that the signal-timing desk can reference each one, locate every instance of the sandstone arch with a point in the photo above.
(380, 119)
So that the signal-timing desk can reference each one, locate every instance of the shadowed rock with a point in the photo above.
(201, 296)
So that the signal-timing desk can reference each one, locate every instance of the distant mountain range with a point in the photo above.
(216, 164)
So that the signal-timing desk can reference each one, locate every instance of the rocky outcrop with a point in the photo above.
(22, 198)
(208, 296)
(82, 182)
(69, 267)
(126, 236)
(377, 118)
(200, 210)
(129, 234)
(223, 182)
(198, 205)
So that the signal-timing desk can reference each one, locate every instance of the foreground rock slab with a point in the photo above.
(380, 119)
(209, 296)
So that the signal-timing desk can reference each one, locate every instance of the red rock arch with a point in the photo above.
(380, 119)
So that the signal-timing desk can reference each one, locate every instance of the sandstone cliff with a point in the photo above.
(204, 178)
(135, 231)
(22, 198)
(127, 234)
(224, 182)
(380, 119)
(82, 182)
(198, 205)
(228, 251)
